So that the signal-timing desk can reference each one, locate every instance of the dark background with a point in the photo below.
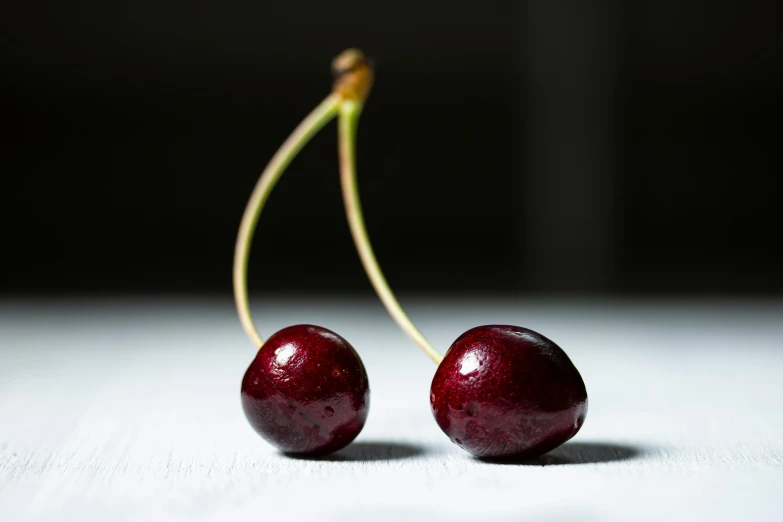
(582, 147)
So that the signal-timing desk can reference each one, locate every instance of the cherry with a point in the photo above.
(306, 391)
(507, 392)
(500, 391)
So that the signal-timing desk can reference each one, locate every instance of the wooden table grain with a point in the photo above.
(129, 410)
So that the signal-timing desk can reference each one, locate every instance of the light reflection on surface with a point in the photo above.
(284, 353)
(469, 364)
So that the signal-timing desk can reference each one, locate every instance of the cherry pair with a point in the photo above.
(499, 392)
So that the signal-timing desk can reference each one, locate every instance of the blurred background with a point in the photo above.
(601, 148)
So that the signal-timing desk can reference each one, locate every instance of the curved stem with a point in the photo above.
(348, 122)
(314, 121)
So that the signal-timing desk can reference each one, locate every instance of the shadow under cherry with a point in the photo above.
(574, 453)
(369, 451)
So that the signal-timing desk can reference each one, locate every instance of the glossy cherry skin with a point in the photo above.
(306, 391)
(507, 392)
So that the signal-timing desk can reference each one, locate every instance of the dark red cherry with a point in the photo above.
(507, 392)
(306, 391)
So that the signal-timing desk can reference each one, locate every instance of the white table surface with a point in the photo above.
(129, 410)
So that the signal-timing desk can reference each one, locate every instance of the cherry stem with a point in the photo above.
(308, 128)
(350, 111)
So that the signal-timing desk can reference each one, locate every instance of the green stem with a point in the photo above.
(309, 127)
(348, 122)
